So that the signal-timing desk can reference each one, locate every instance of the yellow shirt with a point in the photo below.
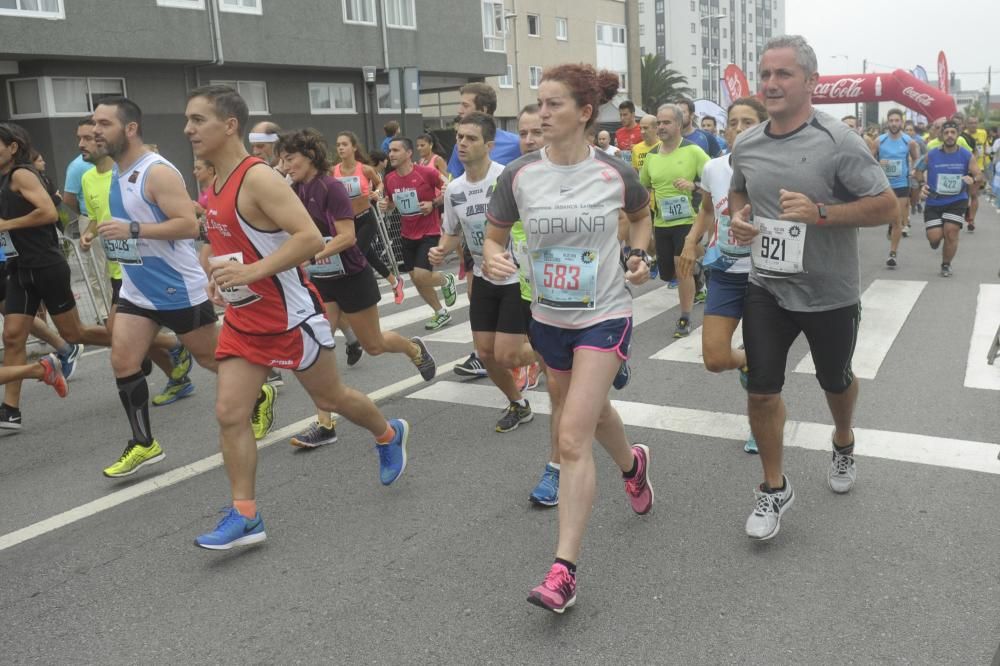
(982, 141)
(97, 197)
(935, 143)
(639, 151)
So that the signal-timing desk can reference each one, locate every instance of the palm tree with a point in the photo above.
(661, 83)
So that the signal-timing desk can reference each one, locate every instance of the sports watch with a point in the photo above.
(134, 229)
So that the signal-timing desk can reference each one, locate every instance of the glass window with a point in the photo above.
(692, 5)
(694, 49)
(534, 25)
(327, 98)
(181, 4)
(493, 28)
(694, 29)
(359, 11)
(534, 76)
(610, 34)
(562, 28)
(25, 97)
(400, 14)
(659, 6)
(254, 92)
(49, 9)
(386, 103)
(507, 80)
(241, 6)
(80, 95)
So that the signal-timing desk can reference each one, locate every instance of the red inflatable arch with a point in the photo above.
(899, 86)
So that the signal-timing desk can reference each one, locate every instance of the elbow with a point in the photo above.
(192, 229)
(316, 245)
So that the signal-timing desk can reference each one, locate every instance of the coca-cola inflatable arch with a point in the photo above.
(899, 86)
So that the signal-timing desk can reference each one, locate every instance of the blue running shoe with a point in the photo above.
(672, 284)
(751, 445)
(233, 530)
(623, 376)
(654, 271)
(392, 456)
(68, 361)
(546, 493)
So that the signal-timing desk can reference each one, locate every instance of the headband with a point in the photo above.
(949, 124)
(263, 137)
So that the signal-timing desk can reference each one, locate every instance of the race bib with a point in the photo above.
(237, 297)
(893, 168)
(7, 245)
(123, 251)
(352, 184)
(565, 278)
(406, 201)
(327, 267)
(475, 235)
(778, 246)
(949, 183)
(727, 242)
(675, 208)
(626, 155)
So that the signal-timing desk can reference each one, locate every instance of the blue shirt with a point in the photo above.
(707, 143)
(506, 149)
(385, 144)
(894, 156)
(952, 166)
(74, 180)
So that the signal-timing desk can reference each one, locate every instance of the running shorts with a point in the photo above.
(726, 292)
(297, 349)
(953, 213)
(557, 345)
(902, 192)
(181, 321)
(352, 293)
(669, 244)
(415, 253)
(28, 288)
(496, 308)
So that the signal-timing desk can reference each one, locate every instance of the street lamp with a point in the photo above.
(517, 83)
(712, 80)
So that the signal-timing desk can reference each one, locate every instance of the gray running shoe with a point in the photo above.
(843, 473)
(891, 261)
(425, 362)
(514, 416)
(945, 270)
(765, 520)
(314, 436)
(683, 328)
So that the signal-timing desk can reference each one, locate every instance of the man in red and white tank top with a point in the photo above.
(260, 233)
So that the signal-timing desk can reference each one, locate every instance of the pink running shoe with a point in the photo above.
(640, 493)
(557, 592)
(397, 290)
(53, 374)
(534, 370)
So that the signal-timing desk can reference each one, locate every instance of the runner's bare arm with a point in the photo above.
(374, 180)
(864, 212)
(165, 188)
(344, 239)
(27, 184)
(739, 217)
(447, 243)
(692, 242)
(640, 232)
(497, 262)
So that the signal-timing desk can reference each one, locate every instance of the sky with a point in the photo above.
(844, 32)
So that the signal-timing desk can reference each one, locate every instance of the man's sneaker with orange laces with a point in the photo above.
(557, 592)
(640, 493)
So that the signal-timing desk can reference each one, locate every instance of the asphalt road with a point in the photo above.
(435, 569)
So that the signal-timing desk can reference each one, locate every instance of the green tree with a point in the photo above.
(661, 83)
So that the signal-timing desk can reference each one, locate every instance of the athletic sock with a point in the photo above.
(779, 489)
(569, 565)
(443, 311)
(246, 508)
(845, 450)
(635, 468)
(65, 350)
(387, 436)
(554, 466)
(523, 402)
(686, 315)
(134, 394)
(350, 337)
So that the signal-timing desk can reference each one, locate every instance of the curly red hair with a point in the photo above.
(586, 85)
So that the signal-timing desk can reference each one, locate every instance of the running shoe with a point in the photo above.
(314, 436)
(397, 290)
(263, 412)
(843, 473)
(274, 378)
(470, 367)
(135, 457)
(906, 231)
(640, 493)
(654, 269)
(683, 328)
(520, 376)
(765, 519)
(53, 374)
(534, 373)
(10, 417)
(392, 456)
(437, 321)
(546, 493)
(623, 376)
(672, 284)
(744, 374)
(701, 296)
(354, 354)
(514, 416)
(751, 445)
(945, 270)
(181, 360)
(971, 227)
(557, 592)
(891, 261)
(233, 530)
(448, 291)
(69, 359)
(174, 391)
(425, 362)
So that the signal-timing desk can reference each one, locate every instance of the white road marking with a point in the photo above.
(899, 446)
(978, 373)
(688, 350)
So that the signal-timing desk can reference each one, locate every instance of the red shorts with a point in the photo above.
(296, 349)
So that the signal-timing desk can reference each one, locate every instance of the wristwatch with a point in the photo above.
(134, 229)
(636, 252)
(821, 209)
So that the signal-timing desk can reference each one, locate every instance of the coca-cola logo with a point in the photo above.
(844, 88)
(921, 98)
(735, 86)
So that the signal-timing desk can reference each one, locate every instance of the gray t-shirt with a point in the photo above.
(570, 216)
(808, 268)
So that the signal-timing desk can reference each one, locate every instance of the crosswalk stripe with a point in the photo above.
(688, 350)
(885, 306)
(899, 446)
(978, 373)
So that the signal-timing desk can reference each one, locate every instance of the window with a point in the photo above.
(493, 28)
(694, 28)
(25, 97)
(642, 28)
(400, 14)
(241, 6)
(60, 95)
(534, 25)
(507, 80)
(562, 28)
(48, 9)
(659, 6)
(725, 34)
(622, 81)
(661, 50)
(534, 76)
(694, 72)
(254, 92)
(725, 54)
(325, 98)
(610, 34)
(692, 5)
(694, 49)
(659, 29)
(749, 18)
(182, 4)
(642, 7)
(359, 11)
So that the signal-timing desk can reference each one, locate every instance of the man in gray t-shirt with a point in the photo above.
(802, 184)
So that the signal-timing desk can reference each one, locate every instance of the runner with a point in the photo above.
(915, 205)
(427, 147)
(364, 185)
(582, 310)
(650, 140)
(604, 143)
(729, 263)
(260, 234)
(978, 141)
(417, 191)
(495, 311)
(166, 351)
(709, 127)
(340, 273)
(670, 173)
(37, 271)
(151, 234)
(629, 134)
(898, 155)
(952, 172)
(707, 142)
(809, 181)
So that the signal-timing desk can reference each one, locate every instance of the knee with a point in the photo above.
(715, 361)
(486, 355)
(13, 336)
(761, 403)
(570, 450)
(206, 359)
(231, 415)
(935, 243)
(506, 357)
(372, 347)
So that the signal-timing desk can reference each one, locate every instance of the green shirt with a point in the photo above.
(97, 196)
(519, 245)
(937, 143)
(673, 207)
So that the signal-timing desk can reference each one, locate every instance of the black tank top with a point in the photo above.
(37, 247)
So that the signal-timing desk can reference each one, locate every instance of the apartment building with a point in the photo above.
(319, 63)
(702, 37)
